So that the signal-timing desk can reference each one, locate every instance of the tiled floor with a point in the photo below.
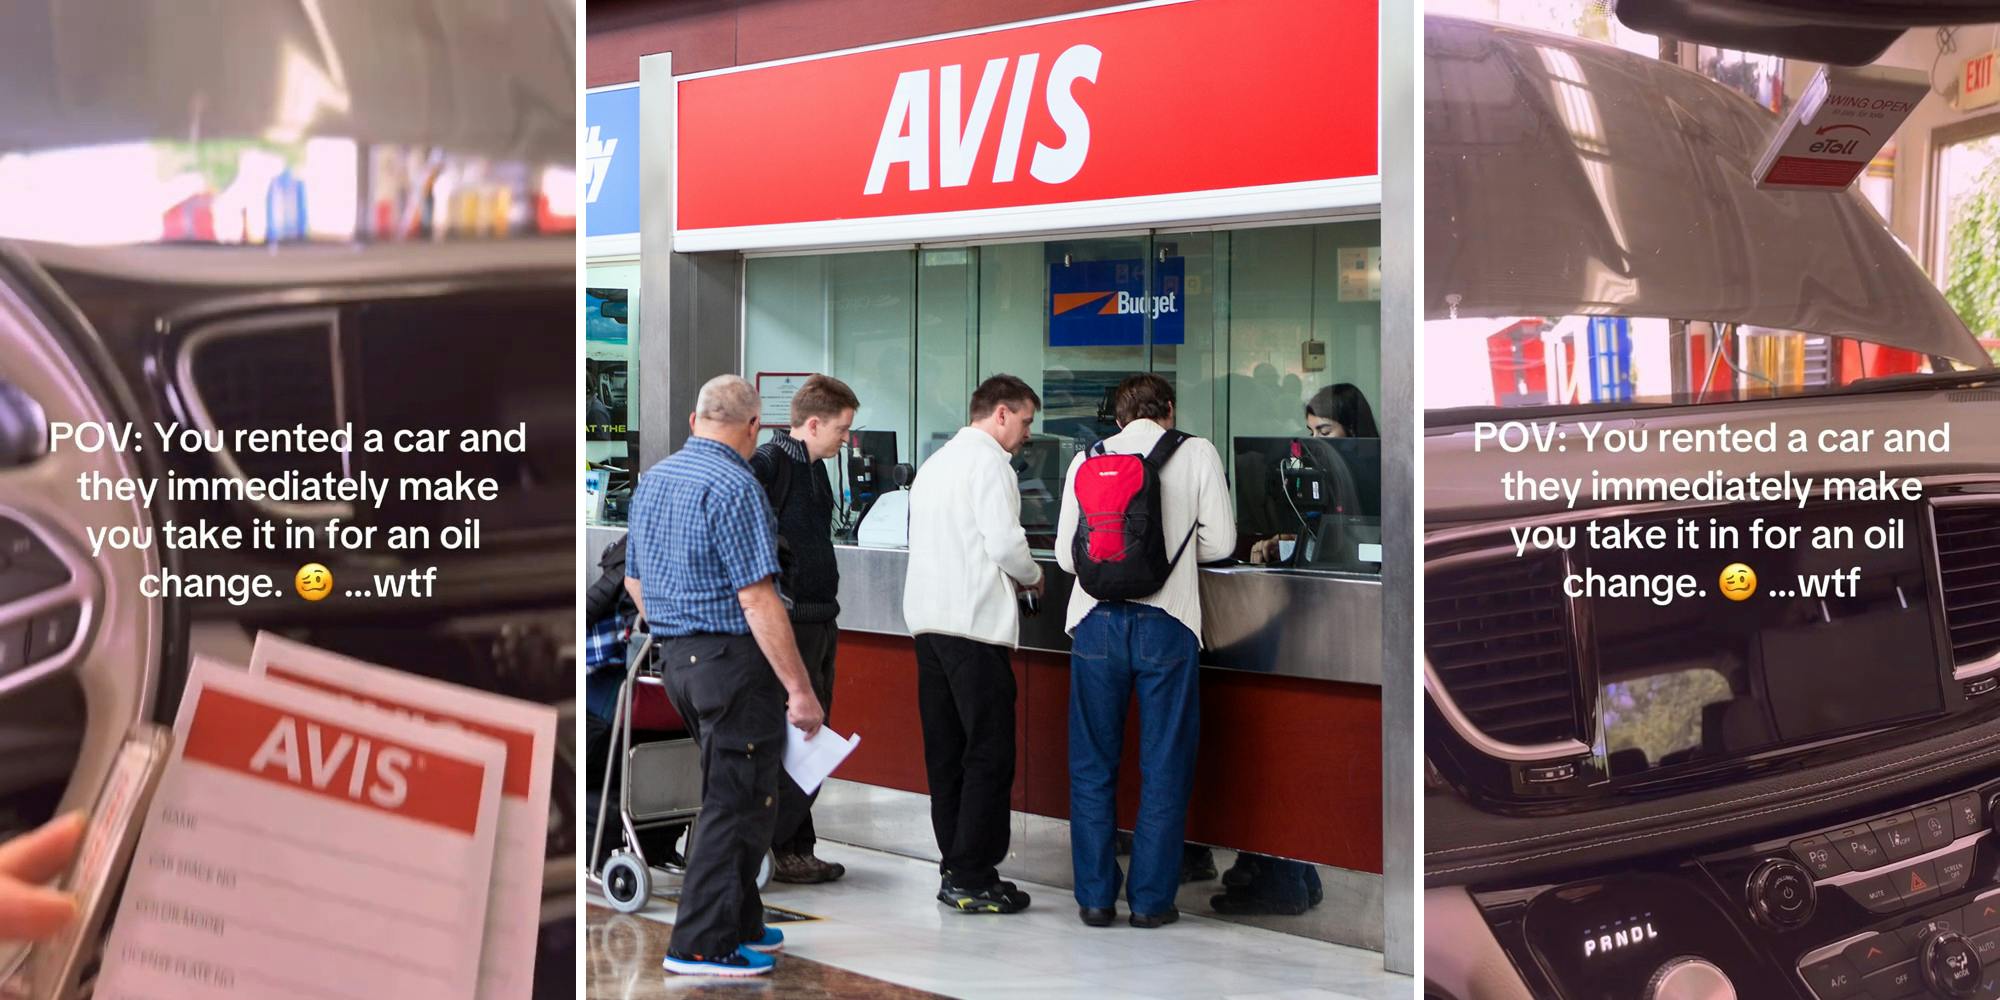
(624, 964)
(882, 922)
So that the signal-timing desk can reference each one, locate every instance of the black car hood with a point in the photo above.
(494, 78)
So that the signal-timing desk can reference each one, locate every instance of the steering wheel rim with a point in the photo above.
(48, 352)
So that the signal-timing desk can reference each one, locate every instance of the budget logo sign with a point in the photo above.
(1107, 303)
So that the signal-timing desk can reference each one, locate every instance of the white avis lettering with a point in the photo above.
(321, 765)
(961, 131)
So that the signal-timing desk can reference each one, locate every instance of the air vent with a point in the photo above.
(1498, 638)
(268, 373)
(1968, 547)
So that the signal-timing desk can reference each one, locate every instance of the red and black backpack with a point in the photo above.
(1120, 548)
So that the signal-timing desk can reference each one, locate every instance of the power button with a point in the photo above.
(1780, 893)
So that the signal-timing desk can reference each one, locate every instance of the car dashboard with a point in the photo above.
(1788, 796)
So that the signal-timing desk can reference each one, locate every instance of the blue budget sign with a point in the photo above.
(610, 160)
(1106, 303)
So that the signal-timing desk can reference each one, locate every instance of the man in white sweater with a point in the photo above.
(1150, 643)
(969, 559)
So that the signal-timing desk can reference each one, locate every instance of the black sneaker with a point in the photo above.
(1000, 897)
(1151, 920)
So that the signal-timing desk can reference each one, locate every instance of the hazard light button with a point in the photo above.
(1917, 884)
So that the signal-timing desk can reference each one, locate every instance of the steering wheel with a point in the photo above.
(81, 650)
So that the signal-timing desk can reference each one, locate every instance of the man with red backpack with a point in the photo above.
(1142, 509)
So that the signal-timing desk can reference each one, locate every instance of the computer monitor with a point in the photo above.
(870, 463)
(1327, 492)
(1039, 467)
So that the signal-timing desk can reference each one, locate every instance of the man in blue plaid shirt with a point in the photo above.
(701, 560)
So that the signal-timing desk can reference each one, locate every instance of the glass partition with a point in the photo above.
(1250, 326)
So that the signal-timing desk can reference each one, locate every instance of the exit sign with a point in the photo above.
(1976, 86)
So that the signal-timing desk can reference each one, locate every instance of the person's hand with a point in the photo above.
(802, 710)
(1267, 551)
(1039, 588)
(28, 910)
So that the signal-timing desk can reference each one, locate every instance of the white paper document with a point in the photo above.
(528, 732)
(300, 845)
(809, 761)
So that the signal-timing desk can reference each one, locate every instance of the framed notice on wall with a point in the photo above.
(776, 390)
(1360, 274)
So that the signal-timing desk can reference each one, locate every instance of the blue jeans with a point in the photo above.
(1117, 648)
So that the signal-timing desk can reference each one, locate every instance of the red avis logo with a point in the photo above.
(319, 765)
(961, 132)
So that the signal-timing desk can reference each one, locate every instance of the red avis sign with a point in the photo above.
(327, 759)
(520, 744)
(1147, 102)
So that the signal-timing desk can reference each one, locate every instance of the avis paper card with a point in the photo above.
(526, 729)
(301, 845)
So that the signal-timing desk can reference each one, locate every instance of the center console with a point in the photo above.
(1880, 907)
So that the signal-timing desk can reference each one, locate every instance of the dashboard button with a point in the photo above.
(1981, 916)
(1955, 869)
(1918, 883)
(1934, 825)
(26, 567)
(1966, 815)
(1895, 983)
(1987, 947)
(1818, 854)
(51, 632)
(1914, 934)
(1859, 847)
(1950, 966)
(1876, 894)
(13, 647)
(1832, 979)
(1780, 893)
(1898, 836)
(1877, 952)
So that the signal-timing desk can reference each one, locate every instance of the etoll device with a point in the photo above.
(56, 968)
(1841, 121)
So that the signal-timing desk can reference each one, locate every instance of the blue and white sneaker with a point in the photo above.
(743, 962)
(771, 943)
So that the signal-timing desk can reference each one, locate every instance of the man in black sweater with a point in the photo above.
(789, 467)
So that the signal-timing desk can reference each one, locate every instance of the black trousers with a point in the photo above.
(965, 695)
(795, 823)
(728, 695)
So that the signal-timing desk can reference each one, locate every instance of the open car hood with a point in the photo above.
(1565, 177)
(494, 78)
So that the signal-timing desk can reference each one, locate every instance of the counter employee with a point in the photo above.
(701, 560)
(969, 557)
